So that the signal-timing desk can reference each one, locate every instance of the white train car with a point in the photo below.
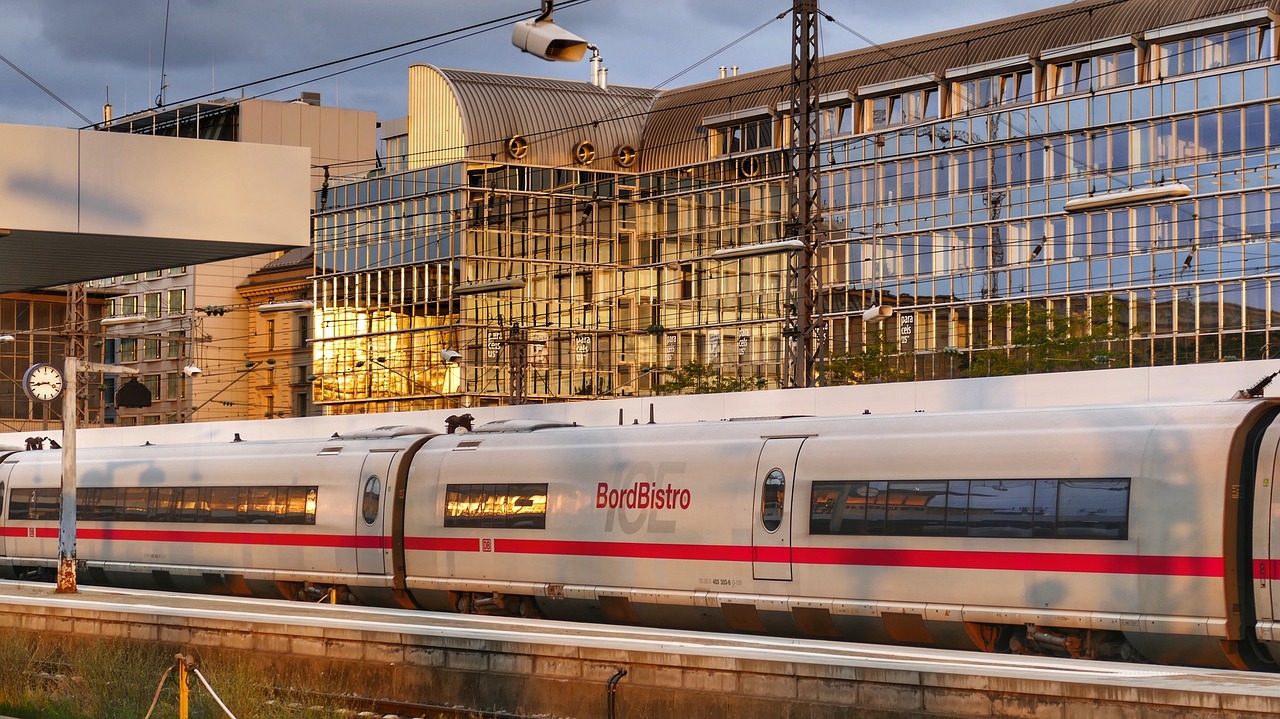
(1109, 531)
(250, 518)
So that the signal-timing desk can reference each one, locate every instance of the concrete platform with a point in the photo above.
(563, 669)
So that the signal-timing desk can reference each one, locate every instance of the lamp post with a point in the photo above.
(67, 513)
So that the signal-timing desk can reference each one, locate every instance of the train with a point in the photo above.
(1142, 532)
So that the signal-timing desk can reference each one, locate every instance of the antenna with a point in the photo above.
(164, 53)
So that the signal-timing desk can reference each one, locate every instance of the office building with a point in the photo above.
(1094, 161)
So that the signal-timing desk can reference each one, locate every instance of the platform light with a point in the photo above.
(289, 305)
(1126, 197)
(877, 313)
(123, 319)
(542, 37)
(763, 248)
(475, 288)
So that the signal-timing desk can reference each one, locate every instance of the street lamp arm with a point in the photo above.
(243, 373)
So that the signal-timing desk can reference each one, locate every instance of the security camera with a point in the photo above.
(450, 355)
(548, 41)
(192, 371)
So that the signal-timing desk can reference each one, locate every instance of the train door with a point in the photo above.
(1266, 528)
(771, 525)
(372, 541)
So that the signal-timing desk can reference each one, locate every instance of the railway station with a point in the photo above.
(718, 545)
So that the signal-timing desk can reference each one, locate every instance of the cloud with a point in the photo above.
(80, 48)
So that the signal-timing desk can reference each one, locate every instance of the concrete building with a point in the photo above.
(1097, 159)
(168, 321)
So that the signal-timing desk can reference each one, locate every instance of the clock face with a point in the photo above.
(43, 382)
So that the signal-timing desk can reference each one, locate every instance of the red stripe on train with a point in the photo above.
(918, 558)
(342, 541)
(931, 559)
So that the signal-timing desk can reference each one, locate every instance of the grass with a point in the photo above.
(67, 678)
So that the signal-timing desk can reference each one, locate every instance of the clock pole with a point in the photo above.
(67, 515)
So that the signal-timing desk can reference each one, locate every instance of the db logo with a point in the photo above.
(486, 545)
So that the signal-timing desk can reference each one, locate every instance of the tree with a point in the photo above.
(874, 364)
(698, 378)
(1041, 340)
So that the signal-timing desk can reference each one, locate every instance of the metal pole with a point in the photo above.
(67, 514)
(800, 347)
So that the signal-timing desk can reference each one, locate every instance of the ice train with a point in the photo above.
(1146, 532)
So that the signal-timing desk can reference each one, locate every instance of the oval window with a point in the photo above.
(369, 503)
(771, 496)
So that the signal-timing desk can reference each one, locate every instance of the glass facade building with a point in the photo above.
(1134, 175)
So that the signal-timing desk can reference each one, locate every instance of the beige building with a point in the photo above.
(170, 323)
(278, 297)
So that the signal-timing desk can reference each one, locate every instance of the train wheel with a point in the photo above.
(290, 590)
(986, 637)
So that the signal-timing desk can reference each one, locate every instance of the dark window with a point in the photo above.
(772, 495)
(224, 505)
(512, 506)
(1050, 508)
(370, 499)
(34, 504)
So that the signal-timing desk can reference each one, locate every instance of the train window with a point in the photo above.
(227, 505)
(1000, 508)
(1051, 508)
(224, 504)
(261, 505)
(135, 503)
(915, 509)
(34, 504)
(510, 506)
(299, 503)
(371, 499)
(1093, 509)
(772, 495)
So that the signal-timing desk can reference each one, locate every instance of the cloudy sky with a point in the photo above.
(86, 51)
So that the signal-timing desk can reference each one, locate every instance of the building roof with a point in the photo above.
(675, 135)
(554, 116)
(291, 260)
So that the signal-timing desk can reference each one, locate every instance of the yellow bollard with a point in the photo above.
(183, 693)
(333, 595)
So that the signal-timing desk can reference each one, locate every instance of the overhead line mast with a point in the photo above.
(803, 338)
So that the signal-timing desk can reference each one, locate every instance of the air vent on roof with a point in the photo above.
(625, 155)
(517, 147)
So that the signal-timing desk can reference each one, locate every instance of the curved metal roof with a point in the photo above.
(554, 116)
(674, 136)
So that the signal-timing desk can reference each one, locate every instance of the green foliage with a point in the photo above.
(699, 378)
(873, 365)
(1041, 340)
